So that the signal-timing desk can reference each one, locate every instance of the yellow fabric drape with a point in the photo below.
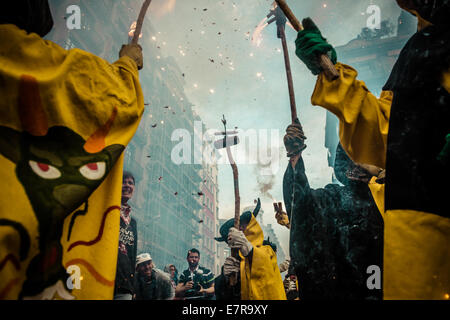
(262, 279)
(416, 244)
(81, 92)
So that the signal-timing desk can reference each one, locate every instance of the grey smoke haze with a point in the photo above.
(226, 74)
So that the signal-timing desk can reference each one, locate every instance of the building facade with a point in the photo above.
(175, 204)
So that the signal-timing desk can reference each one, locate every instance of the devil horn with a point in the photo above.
(96, 141)
(31, 113)
(257, 208)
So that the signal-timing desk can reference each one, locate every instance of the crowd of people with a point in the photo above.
(66, 116)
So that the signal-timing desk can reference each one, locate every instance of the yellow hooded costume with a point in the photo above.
(260, 277)
(416, 242)
(65, 118)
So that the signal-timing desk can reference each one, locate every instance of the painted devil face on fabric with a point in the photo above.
(59, 170)
(55, 170)
(56, 166)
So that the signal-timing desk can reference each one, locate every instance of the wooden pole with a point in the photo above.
(237, 201)
(140, 21)
(288, 74)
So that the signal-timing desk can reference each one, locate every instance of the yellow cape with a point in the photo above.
(416, 244)
(96, 100)
(262, 280)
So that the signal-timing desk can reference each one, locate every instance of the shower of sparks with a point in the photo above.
(257, 37)
(133, 29)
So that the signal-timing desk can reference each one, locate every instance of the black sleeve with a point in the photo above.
(295, 179)
(224, 291)
(137, 289)
(183, 278)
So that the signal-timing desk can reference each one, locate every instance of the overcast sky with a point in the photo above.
(227, 73)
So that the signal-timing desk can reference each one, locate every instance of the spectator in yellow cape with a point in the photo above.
(65, 118)
(406, 132)
(259, 277)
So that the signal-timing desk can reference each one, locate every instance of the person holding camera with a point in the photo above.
(196, 282)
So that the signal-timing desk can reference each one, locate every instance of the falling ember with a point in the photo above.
(447, 296)
(154, 38)
(211, 90)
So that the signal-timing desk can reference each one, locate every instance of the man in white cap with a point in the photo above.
(152, 283)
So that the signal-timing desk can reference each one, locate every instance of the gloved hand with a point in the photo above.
(283, 219)
(134, 51)
(381, 178)
(310, 44)
(231, 265)
(237, 240)
(284, 266)
(289, 285)
(294, 140)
